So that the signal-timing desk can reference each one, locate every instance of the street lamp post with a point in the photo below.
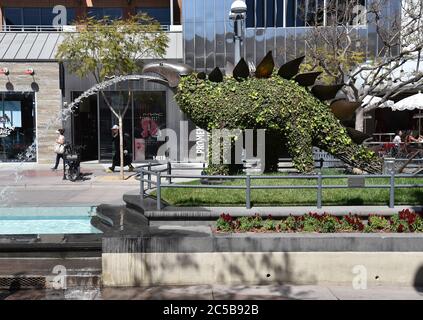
(237, 14)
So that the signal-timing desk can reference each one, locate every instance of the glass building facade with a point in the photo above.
(277, 25)
(33, 17)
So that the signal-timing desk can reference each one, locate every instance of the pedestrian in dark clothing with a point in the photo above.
(116, 152)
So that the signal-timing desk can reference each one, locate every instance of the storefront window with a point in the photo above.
(149, 119)
(162, 15)
(118, 99)
(17, 126)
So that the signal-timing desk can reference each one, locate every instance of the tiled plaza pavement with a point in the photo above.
(38, 185)
(220, 292)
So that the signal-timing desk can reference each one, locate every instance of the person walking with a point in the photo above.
(397, 141)
(59, 148)
(116, 151)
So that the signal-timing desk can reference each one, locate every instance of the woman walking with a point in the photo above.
(59, 147)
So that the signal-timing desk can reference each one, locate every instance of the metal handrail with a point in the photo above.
(319, 186)
(31, 28)
(49, 28)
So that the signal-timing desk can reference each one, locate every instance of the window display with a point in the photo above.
(17, 125)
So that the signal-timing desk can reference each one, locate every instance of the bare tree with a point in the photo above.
(338, 46)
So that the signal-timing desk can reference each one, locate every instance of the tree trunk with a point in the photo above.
(122, 176)
(359, 119)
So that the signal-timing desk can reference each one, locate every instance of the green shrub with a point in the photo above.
(290, 223)
(405, 221)
(330, 224)
(249, 223)
(377, 223)
(311, 223)
(269, 224)
(281, 226)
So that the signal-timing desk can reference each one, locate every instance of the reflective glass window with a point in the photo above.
(32, 16)
(162, 15)
(100, 13)
(270, 13)
(13, 16)
(260, 12)
(301, 10)
(290, 13)
(250, 13)
(47, 16)
(279, 13)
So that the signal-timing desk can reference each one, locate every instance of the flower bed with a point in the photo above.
(404, 221)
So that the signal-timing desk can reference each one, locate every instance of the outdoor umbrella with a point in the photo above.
(414, 102)
(370, 101)
(411, 103)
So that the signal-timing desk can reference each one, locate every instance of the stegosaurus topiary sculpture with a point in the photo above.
(280, 101)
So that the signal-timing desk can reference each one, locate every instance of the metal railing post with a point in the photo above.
(392, 190)
(169, 172)
(319, 190)
(142, 184)
(159, 180)
(248, 192)
(149, 176)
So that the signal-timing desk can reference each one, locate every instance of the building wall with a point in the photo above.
(208, 34)
(48, 99)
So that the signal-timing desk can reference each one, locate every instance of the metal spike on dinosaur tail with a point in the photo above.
(307, 79)
(291, 68)
(326, 92)
(343, 109)
(216, 75)
(241, 70)
(357, 136)
(265, 67)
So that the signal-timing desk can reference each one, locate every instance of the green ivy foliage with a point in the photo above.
(275, 104)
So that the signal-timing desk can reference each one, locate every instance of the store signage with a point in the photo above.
(6, 127)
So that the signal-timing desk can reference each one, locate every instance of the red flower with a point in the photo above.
(226, 217)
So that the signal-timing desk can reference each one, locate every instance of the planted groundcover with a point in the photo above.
(404, 221)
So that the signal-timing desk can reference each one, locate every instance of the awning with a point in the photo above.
(414, 102)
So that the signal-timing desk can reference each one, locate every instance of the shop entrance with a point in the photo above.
(85, 132)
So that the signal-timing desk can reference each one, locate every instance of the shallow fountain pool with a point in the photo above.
(47, 220)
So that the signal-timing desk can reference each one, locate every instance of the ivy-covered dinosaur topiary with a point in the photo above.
(277, 100)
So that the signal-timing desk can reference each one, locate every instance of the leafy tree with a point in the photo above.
(107, 48)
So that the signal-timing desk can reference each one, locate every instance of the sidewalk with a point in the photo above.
(221, 292)
(37, 185)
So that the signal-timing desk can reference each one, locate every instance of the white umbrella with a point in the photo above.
(370, 101)
(411, 103)
(414, 102)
